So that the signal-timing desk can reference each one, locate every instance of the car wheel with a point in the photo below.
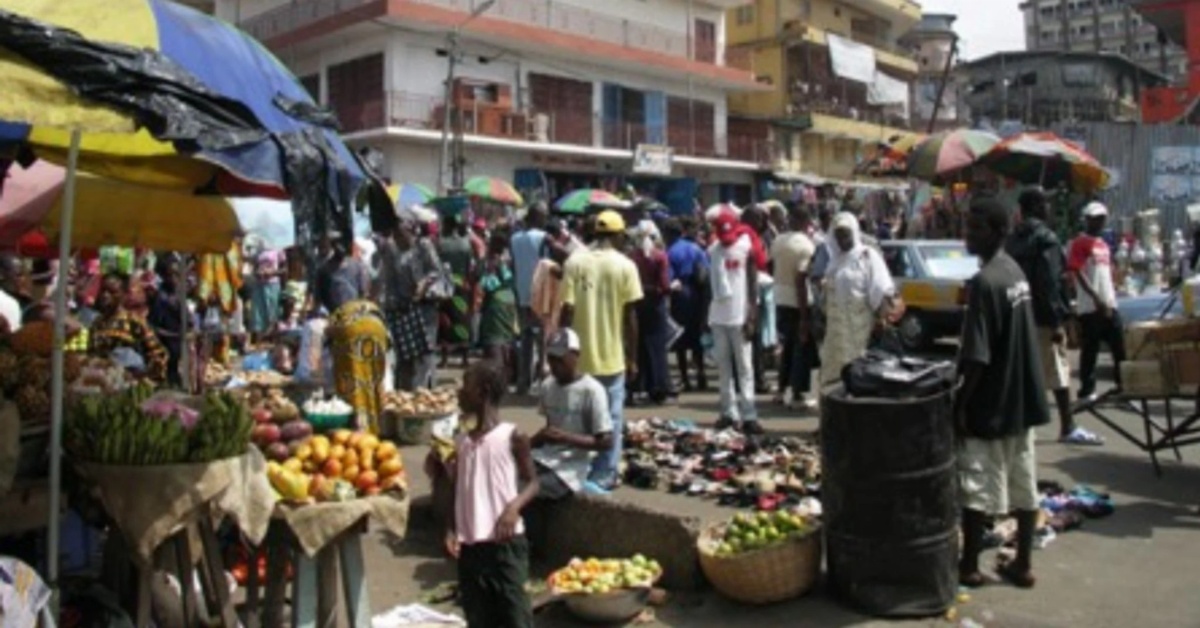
(913, 334)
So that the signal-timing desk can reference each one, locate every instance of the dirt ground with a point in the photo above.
(1137, 567)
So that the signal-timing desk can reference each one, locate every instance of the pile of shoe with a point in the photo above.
(762, 472)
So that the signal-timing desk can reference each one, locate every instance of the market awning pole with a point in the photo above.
(185, 348)
(57, 385)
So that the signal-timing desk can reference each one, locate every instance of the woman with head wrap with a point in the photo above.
(857, 292)
(654, 271)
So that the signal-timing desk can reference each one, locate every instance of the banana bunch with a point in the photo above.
(113, 429)
(224, 428)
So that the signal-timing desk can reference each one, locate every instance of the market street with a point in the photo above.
(1136, 567)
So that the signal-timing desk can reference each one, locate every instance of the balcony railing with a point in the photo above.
(421, 111)
(547, 14)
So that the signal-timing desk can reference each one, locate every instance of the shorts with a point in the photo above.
(491, 584)
(998, 476)
(1056, 368)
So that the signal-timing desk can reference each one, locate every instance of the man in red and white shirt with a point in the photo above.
(1090, 262)
(733, 321)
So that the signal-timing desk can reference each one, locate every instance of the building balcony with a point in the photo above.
(421, 112)
(903, 14)
(286, 23)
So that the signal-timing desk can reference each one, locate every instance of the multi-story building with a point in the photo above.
(552, 94)
(840, 79)
(934, 42)
(1041, 89)
(1100, 26)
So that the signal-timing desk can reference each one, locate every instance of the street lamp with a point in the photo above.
(453, 57)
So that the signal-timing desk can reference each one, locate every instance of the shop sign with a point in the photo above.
(566, 162)
(652, 159)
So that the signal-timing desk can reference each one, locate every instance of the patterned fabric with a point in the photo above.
(407, 327)
(221, 276)
(498, 315)
(126, 331)
(79, 342)
(454, 320)
(358, 344)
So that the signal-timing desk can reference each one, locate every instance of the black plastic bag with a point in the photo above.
(887, 375)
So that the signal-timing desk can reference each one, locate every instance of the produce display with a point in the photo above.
(90, 375)
(340, 466)
(749, 532)
(600, 576)
(137, 427)
(216, 374)
(422, 402)
(327, 407)
(271, 405)
(267, 378)
(25, 372)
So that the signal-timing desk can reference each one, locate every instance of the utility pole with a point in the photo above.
(453, 54)
(941, 93)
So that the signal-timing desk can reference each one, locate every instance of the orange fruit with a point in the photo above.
(390, 467)
(350, 457)
(350, 473)
(386, 451)
(340, 437)
(366, 480)
(332, 468)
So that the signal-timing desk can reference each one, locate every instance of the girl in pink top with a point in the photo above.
(486, 533)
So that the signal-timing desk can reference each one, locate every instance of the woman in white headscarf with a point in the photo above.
(857, 293)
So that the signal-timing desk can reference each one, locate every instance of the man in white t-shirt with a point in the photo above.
(733, 320)
(792, 254)
(578, 424)
(1090, 261)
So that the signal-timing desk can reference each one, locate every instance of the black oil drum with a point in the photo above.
(889, 491)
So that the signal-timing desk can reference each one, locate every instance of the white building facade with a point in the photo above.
(551, 95)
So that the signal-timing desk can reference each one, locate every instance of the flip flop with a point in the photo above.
(1081, 436)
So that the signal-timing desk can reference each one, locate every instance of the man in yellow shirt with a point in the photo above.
(599, 289)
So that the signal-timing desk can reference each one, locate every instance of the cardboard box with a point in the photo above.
(1143, 340)
(1144, 378)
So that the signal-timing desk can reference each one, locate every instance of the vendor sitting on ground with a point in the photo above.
(116, 331)
(578, 424)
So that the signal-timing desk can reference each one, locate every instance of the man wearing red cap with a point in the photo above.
(732, 317)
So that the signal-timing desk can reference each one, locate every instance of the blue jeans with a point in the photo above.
(606, 464)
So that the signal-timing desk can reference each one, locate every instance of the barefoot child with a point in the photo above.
(486, 533)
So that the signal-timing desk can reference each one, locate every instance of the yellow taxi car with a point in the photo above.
(931, 276)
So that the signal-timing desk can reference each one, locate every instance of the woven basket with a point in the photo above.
(771, 574)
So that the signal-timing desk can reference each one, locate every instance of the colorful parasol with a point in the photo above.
(943, 155)
(112, 212)
(1048, 160)
(493, 189)
(579, 201)
(166, 96)
(409, 194)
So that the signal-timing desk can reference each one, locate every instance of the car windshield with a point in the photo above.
(949, 261)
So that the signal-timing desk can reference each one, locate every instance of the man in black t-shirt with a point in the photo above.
(1003, 397)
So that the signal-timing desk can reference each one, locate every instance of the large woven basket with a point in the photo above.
(771, 574)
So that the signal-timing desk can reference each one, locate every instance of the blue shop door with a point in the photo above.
(531, 183)
(679, 195)
(656, 118)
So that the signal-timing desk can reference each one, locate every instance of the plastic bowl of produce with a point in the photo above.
(327, 422)
(613, 607)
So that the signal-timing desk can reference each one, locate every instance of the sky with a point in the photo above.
(983, 31)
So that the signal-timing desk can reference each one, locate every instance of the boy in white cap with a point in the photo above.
(578, 423)
(1090, 262)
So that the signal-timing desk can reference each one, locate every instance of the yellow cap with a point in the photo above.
(609, 221)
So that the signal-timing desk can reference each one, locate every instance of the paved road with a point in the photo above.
(1135, 568)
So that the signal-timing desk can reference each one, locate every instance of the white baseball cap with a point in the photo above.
(563, 342)
(1094, 210)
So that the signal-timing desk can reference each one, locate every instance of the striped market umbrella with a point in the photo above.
(408, 194)
(580, 201)
(1048, 160)
(945, 154)
(493, 189)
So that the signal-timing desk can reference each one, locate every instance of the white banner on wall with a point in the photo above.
(852, 60)
(886, 90)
